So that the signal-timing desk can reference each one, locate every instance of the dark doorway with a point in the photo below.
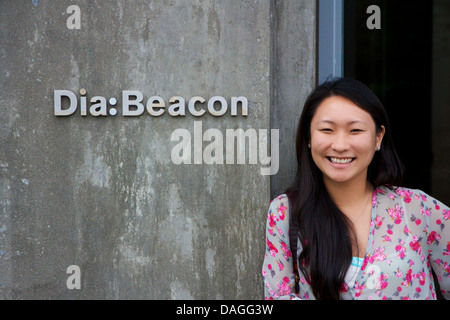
(395, 62)
(406, 62)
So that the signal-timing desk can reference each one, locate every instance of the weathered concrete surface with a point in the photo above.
(103, 193)
(294, 76)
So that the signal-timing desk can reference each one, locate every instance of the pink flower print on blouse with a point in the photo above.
(272, 219)
(406, 231)
(408, 278)
(447, 250)
(359, 289)
(383, 282)
(396, 214)
(286, 250)
(415, 244)
(433, 237)
(405, 194)
(284, 288)
(401, 249)
(377, 255)
(374, 199)
(390, 233)
(425, 212)
(272, 272)
(281, 212)
(446, 214)
(273, 250)
(280, 265)
(378, 222)
(446, 268)
(422, 278)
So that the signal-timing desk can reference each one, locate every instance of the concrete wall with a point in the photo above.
(294, 76)
(103, 193)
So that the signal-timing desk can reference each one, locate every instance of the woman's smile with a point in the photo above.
(340, 160)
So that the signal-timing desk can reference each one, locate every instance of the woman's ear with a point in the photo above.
(380, 135)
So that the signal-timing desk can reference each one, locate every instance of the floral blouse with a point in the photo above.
(409, 237)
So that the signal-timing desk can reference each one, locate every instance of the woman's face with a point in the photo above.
(344, 140)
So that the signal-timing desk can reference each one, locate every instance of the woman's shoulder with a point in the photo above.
(280, 198)
(403, 193)
(279, 207)
(281, 201)
(408, 196)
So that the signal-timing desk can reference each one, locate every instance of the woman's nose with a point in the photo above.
(340, 143)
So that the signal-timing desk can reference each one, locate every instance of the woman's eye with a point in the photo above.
(326, 130)
(356, 130)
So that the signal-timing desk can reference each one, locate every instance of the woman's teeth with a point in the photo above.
(336, 160)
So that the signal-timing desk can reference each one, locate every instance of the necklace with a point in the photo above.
(354, 221)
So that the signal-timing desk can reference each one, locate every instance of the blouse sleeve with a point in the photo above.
(278, 271)
(438, 240)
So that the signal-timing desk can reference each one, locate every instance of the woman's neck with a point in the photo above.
(349, 195)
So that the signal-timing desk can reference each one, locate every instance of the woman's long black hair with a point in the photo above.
(325, 233)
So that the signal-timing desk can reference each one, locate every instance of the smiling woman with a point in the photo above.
(344, 206)
(343, 141)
